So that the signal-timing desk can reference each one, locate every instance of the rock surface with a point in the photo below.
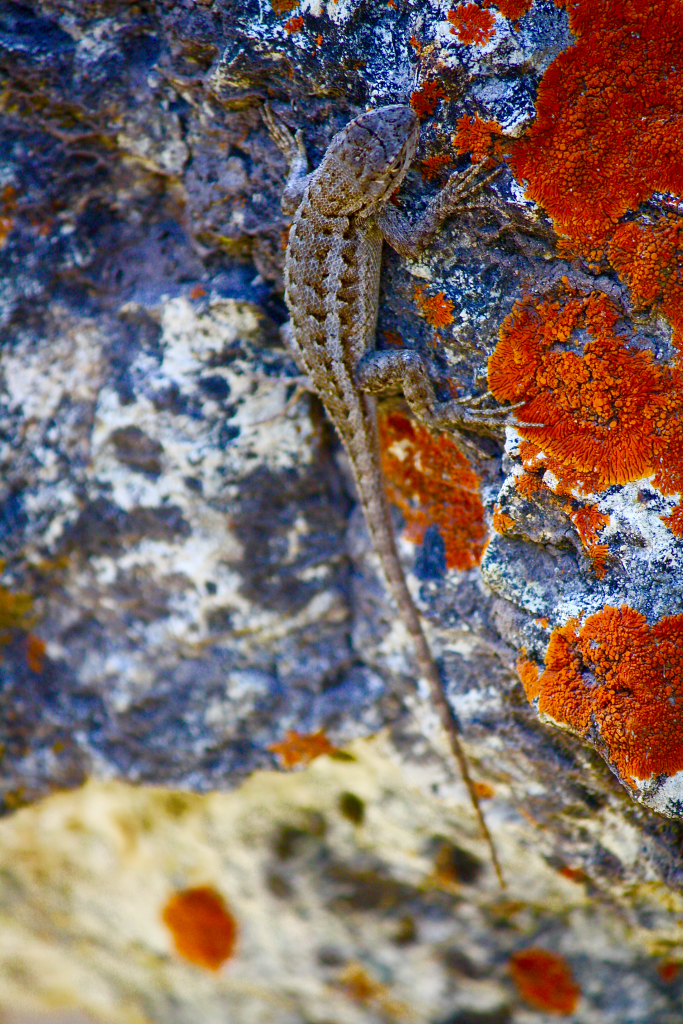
(187, 577)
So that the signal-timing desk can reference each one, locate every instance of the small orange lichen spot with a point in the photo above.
(294, 25)
(543, 622)
(35, 652)
(393, 339)
(436, 309)
(424, 100)
(472, 25)
(668, 970)
(514, 9)
(501, 521)
(574, 874)
(299, 747)
(433, 164)
(620, 680)
(477, 137)
(544, 980)
(283, 6)
(675, 521)
(392, 3)
(197, 291)
(588, 520)
(484, 791)
(609, 410)
(318, 40)
(203, 929)
(432, 484)
(416, 44)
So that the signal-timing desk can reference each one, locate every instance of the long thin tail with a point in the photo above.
(379, 522)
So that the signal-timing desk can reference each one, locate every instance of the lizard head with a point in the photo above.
(366, 161)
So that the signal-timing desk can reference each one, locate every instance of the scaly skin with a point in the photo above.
(332, 271)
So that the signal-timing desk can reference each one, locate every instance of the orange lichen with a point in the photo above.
(514, 9)
(501, 521)
(424, 100)
(527, 484)
(675, 521)
(620, 680)
(668, 970)
(544, 980)
(436, 309)
(8, 205)
(433, 164)
(588, 520)
(416, 44)
(294, 25)
(476, 137)
(393, 339)
(298, 747)
(472, 25)
(610, 413)
(283, 6)
(197, 291)
(203, 929)
(649, 258)
(573, 874)
(607, 136)
(484, 791)
(432, 484)
(35, 652)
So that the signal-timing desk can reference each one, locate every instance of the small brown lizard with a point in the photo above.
(342, 216)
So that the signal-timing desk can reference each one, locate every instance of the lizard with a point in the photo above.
(341, 217)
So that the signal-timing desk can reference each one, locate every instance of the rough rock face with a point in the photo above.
(187, 578)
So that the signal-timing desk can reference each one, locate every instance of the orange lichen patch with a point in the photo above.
(607, 136)
(203, 929)
(472, 25)
(432, 484)
(294, 25)
(197, 291)
(298, 747)
(514, 9)
(433, 164)
(8, 204)
(668, 970)
(360, 986)
(544, 980)
(393, 339)
(501, 521)
(35, 652)
(416, 44)
(609, 124)
(621, 680)
(649, 257)
(527, 484)
(675, 521)
(574, 874)
(436, 309)
(484, 791)
(283, 6)
(528, 673)
(476, 137)
(588, 520)
(543, 622)
(610, 413)
(424, 100)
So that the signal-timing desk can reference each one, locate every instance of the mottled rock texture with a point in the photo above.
(186, 573)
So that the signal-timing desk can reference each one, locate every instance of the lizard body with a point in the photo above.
(332, 280)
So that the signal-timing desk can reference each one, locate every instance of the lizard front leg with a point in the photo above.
(293, 149)
(404, 370)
